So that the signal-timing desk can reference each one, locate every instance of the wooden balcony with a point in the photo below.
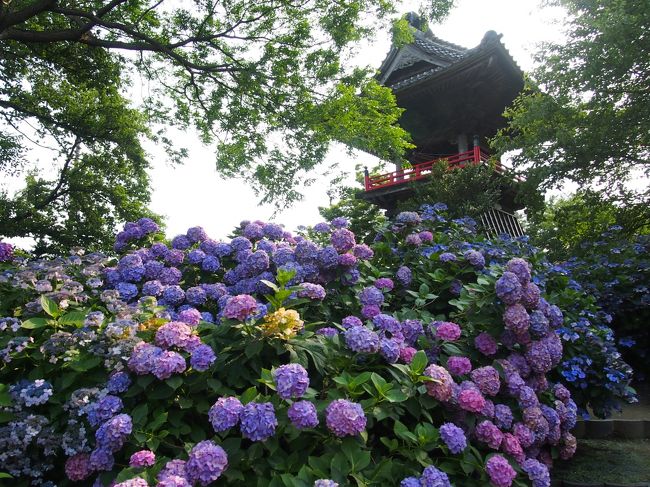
(424, 169)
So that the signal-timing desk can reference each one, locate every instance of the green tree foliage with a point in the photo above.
(262, 80)
(585, 115)
(365, 218)
(66, 102)
(468, 191)
(567, 223)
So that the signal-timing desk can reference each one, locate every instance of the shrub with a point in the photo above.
(274, 360)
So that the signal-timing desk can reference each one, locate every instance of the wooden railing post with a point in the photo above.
(366, 178)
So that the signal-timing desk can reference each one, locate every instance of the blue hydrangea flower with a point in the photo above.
(302, 414)
(258, 421)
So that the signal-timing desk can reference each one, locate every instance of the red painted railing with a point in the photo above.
(423, 169)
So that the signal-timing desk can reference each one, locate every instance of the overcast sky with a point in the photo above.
(194, 194)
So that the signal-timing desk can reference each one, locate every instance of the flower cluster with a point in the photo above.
(277, 341)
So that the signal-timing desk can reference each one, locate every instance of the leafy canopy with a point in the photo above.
(585, 114)
(264, 81)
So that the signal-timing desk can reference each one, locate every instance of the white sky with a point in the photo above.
(194, 194)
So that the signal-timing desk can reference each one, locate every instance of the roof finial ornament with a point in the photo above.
(414, 20)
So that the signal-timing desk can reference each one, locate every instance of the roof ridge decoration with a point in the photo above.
(440, 54)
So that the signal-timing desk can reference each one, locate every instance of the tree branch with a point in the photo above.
(56, 191)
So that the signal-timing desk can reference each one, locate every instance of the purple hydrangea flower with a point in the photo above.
(371, 296)
(520, 268)
(142, 458)
(206, 462)
(410, 482)
(432, 477)
(173, 334)
(347, 260)
(190, 316)
(413, 239)
(516, 319)
(447, 257)
(202, 357)
(471, 400)
(487, 380)
(351, 321)
(173, 468)
(475, 258)
(530, 295)
(113, 433)
(538, 357)
(442, 389)
(181, 242)
(311, 291)
(486, 432)
(447, 331)
(362, 340)
(196, 234)
(408, 218)
(78, 467)
(454, 437)
(101, 459)
(537, 472)
(387, 323)
(500, 472)
(240, 307)
(322, 227)
(6, 251)
(325, 483)
(327, 331)
(363, 252)
(104, 409)
(389, 349)
(143, 357)
(258, 421)
(459, 365)
(342, 239)
(412, 330)
(168, 363)
(291, 381)
(370, 310)
(118, 382)
(509, 288)
(340, 222)
(502, 416)
(404, 276)
(345, 418)
(384, 284)
(224, 413)
(173, 295)
(302, 415)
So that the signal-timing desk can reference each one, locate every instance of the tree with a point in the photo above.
(66, 101)
(264, 80)
(585, 115)
(468, 191)
(365, 218)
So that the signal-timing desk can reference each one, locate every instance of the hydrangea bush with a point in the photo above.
(430, 358)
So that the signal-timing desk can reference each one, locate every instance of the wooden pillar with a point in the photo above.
(463, 143)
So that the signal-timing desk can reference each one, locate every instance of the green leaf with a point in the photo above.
(85, 363)
(76, 317)
(139, 413)
(248, 395)
(49, 306)
(174, 382)
(360, 379)
(395, 395)
(4, 475)
(253, 348)
(33, 323)
(419, 362)
(402, 432)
